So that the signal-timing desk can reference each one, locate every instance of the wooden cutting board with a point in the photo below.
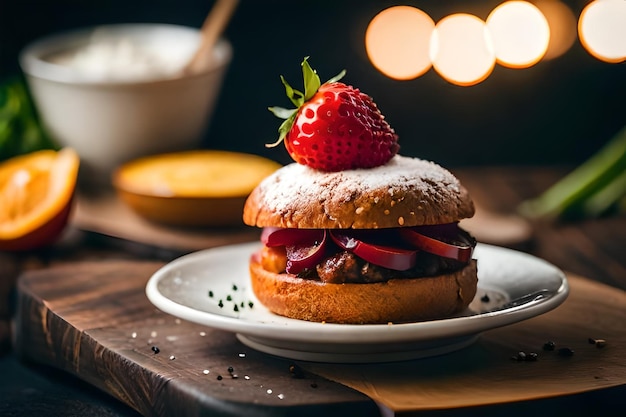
(94, 321)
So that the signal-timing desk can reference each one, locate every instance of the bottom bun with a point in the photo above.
(396, 300)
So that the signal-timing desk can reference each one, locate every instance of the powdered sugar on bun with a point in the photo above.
(404, 192)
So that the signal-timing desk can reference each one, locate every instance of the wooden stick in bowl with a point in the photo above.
(211, 30)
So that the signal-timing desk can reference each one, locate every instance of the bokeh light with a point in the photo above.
(562, 23)
(403, 42)
(602, 29)
(520, 33)
(461, 49)
(397, 42)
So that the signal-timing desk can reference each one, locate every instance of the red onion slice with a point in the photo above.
(306, 253)
(278, 236)
(447, 240)
(381, 254)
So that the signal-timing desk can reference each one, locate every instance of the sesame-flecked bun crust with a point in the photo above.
(402, 193)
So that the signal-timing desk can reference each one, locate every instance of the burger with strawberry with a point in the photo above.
(353, 232)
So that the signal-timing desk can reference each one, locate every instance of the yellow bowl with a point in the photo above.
(194, 188)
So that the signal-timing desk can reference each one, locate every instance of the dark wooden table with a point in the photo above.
(594, 249)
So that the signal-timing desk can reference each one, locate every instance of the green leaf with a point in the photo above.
(284, 128)
(6, 131)
(281, 112)
(312, 81)
(294, 95)
(337, 77)
(20, 130)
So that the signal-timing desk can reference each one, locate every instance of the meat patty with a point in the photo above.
(346, 267)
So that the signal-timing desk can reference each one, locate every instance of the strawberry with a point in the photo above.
(334, 126)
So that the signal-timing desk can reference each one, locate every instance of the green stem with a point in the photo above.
(568, 196)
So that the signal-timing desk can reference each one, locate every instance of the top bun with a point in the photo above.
(402, 193)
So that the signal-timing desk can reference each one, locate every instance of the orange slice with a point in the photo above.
(36, 193)
(193, 188)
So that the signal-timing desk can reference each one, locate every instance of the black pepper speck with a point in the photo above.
(566, 352)
(600, 343)
(296, 371)
(525, 357)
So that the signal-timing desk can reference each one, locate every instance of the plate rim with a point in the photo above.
(367, 333)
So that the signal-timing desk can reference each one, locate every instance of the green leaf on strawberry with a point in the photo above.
(296, 97)
(312, 83)
(334, 126)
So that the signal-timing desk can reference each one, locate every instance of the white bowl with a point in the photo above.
(110, 119)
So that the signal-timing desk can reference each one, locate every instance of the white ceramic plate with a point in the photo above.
(211, 287)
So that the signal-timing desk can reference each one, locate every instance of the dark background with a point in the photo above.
(557, 112)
